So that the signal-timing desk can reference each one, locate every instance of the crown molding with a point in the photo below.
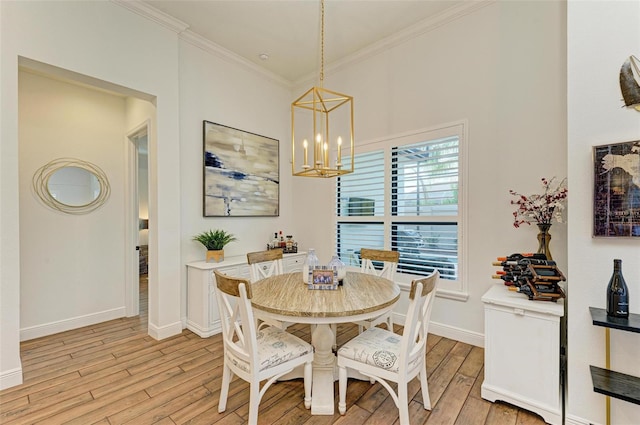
(219, 51)
(413, 31)
(153, 14)
(183, 31)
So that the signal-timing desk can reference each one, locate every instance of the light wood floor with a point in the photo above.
(114, 373)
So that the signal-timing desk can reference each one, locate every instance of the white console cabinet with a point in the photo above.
(522, 358)
(203, 318)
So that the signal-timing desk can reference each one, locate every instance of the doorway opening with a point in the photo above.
(63, 114)
(137, 287)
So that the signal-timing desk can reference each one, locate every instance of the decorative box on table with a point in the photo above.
(323, 277)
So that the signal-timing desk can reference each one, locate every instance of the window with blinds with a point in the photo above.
(361, 199)
(425, 178)
(404, 197)
(362, 193)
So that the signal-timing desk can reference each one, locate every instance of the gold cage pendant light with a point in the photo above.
(322, 128)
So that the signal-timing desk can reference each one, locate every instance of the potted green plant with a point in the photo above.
(214, 241)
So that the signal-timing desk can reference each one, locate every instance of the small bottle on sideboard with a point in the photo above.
(617, 293)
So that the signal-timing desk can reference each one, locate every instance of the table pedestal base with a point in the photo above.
(322, 400)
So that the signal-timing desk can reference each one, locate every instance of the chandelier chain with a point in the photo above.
(321, 42)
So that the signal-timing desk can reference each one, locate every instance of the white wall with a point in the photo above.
(10, 366)
(104, 41)
(213, 89)
(600, 35)
(71, 269)
(502, 68)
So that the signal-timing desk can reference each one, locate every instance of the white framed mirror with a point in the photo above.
(71, 185)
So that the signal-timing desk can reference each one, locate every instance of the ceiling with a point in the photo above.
(288, 31)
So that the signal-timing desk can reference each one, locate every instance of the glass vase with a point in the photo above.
(544, 237)
(339, 266)
(309, 264)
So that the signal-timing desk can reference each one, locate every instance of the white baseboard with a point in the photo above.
(451, 332)
(10, 378)
(462, 335)
(162, 332)
(71, 323)
(575, 420)
(205, 333)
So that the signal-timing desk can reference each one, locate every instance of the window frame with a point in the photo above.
(452, 289)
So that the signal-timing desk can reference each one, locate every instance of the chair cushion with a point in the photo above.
(376, 347)
(275, 347)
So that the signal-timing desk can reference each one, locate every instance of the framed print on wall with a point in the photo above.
(241, 176)
(616, 194)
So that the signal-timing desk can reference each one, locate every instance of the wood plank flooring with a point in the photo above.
(114, 373)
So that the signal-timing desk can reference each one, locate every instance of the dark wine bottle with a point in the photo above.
(536, 262)
(541, 292)
(617, 293)
(508, 278)
(520, 255)
(523, 263)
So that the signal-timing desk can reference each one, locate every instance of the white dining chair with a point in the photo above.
(385, 356)
(263, 264)
(251, 354)
(387, 262)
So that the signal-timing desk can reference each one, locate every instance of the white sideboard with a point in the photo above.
(522, 361)
(203, 318)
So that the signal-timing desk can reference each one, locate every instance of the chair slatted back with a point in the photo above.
(416, 328)
(236, 317)
(389, 260)
(263, 264)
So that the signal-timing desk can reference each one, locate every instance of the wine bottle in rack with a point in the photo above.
(520, 255)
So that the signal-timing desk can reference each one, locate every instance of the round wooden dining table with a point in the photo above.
(286, 298)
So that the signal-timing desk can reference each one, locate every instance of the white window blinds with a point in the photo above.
(404, 196)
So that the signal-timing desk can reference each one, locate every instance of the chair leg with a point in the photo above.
(254, 402)
(403, 402)
(224, 389)
(426, 400)
(307, 384)
(342, 390)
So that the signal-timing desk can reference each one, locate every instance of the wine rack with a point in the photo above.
(609, 382)
(532, 275)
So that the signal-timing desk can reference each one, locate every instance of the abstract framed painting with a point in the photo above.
(241, 176)
(616, 193)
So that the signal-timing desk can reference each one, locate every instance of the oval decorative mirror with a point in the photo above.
(71, 185)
